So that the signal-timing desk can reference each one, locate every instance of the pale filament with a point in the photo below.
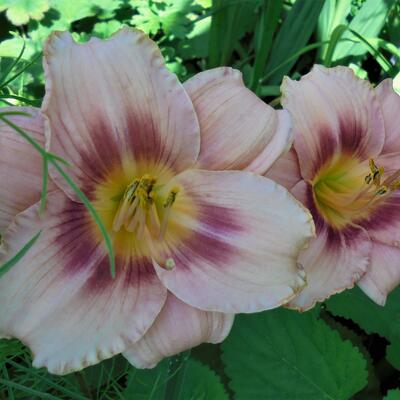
(137, 210)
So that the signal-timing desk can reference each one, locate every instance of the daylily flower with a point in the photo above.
(345, 168)
(193, 246)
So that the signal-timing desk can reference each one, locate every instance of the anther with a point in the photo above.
(167, 206)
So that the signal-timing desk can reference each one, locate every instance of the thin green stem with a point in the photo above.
(92, 212)
(22, 70)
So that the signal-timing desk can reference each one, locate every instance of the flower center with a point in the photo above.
(346, 189)
(143, 209)
(139, 208)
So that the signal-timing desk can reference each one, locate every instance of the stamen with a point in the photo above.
(137, 209)
(123, 209)
(167, 206)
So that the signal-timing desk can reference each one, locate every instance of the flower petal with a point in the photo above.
(20, 164)
(383, 274)
(332, 264)
(60, 299)
(383, 225)
(333, 111)
(286, 170)
(245, 237)
(177, 328)
(390, 103)
(238, 130)
(106, 100)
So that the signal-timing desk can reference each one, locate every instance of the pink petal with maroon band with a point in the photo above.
(20, 164)
(238, 130)
(390, 102)
(60, 299)
(245, 239)
(286, 170)
(106, 100)
(332, 265)
(177, 328)
(333, 111)
(383, 224)
(383, 274)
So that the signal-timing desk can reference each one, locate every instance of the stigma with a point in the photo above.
(142, 208)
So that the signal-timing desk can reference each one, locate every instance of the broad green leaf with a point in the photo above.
(230, 20)
(105, 29)
(19, 12)
(393, 395)
(195, 45)
(200, 383)
(333, 14)
(354, 304)
(265, 29)
(282, 354)
(367, 22)
(393, 354)
(293, 35)
(74, 10)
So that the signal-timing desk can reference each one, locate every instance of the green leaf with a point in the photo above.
(385, 321)
(200, 383)
(171, 16)
(229, 22)
(75, 10)
(269, 16)
(146, 19)
(147, 384)
(354, 304)
(293, 35)
(367, 22)
(333, 14)
(393, 354)
(19, 12)
(105, 29)
(333, 42)
(282, 354)
(393, 395)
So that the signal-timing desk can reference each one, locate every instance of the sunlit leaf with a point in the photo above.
(367, 22)
(19, 12)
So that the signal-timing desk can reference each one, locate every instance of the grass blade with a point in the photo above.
(293, 35)
(10, 263)
(334, 40)
(92, 212)
(270, 12)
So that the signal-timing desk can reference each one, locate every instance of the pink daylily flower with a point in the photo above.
(193, 245)
(345, 168)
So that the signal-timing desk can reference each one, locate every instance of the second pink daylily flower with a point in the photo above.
(345, 167)
(193, 245)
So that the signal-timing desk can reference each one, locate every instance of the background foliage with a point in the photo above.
(348, 348)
